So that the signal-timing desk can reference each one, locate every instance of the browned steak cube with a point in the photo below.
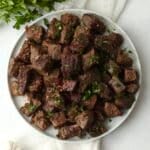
(72, 113)
(46, 42)
(75, 97)
(108, 42)
(105, 92)
(90, 103)
(14, 88)
(130, 75)
(116, 39)
(69, 131)
(99, 116)
(85, 119)
(25, 51)
(69, 85)
(29, 108)
(66, 34)
(40, 120)
(124, 102)
(123, 58)
(41, 62)
(35, 33)
(54, 29)
(106, 77)
(36, 83)
(53, 100)
(14, 67)
(44, 63)
(71, 65)
(97, 129)
(88, 78)
(81, 39)
(23, 79)
(58, 119)
(89, 59)
(117, 85)
(111, 110)
(93, 23)
(113, 68)
(70, 19)
(132, 88)
(52, 79)
(54, 50)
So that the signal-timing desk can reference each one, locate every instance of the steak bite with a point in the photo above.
(36, 83)
(124, 102)
(53, 100)
(14, 87)
(105, 92)
(90, 103)
(69, 85)
(111, 110)
(35, 33)
(54, 51)
(97, 129)
(108, 42)
(14, 67)
(23, 79)
(70, 65)
(70, 19)
(84, 120)
(93, 23)
(113, 68)
(117, 85)
(25, 51)
(130, 75)
(66, 34)
(81, 39)
(39, 119)
(54, 30)
(90, 59)
(132, 88)
(75, 97)
(52, 79)
(29, 108)
(88, 78)
(41, 62)
(123, 58)
(72, 112)
(69, 131)
(58, 119)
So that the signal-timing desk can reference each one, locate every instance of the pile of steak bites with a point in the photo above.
(75, 76)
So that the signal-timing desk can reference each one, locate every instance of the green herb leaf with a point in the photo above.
(94, 59)
(32, 107)
(22, 11)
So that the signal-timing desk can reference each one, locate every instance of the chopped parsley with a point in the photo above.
(94, 59)
(94, 89)
(87, 94)
(49, 114)
(59, 28)
(32, 107)
(58, 101)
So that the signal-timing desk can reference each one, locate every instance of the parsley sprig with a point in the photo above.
(22, 11)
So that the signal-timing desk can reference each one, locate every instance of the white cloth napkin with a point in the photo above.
(109, 8)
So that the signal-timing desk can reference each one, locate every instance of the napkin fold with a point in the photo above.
(109, 8)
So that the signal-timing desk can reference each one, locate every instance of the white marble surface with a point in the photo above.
(134, 134)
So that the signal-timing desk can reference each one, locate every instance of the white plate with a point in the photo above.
(117, 121)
